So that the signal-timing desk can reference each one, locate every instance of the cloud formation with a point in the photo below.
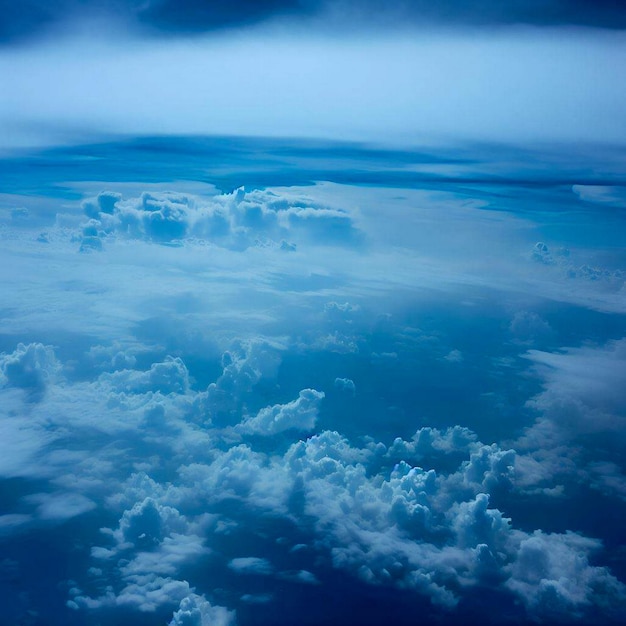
(230, 410)
(235, 221)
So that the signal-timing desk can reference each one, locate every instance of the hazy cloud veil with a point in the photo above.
(313, 312)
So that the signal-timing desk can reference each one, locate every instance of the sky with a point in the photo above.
(312, 312)
(402, 72)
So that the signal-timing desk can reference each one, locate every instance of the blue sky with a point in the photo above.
(312, 313)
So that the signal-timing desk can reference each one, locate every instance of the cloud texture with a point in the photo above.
(238, 406)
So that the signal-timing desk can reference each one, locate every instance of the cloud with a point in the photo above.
(235, 221)
(299, 576)
(300, 414)
(560, 259)
(583, 392)
(601, 194)
(251, 565)
(528, 326)
(154, 540)
(514, 85)
(345, 384)
(61, 506)
(29, 367)
(145, 593)
(188, 410)
(195, 610)
(582, 401)
(379, 515)
(168, 376)
(21, 443)
(428, 442)
(553, 577)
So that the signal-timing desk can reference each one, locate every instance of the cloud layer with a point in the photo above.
(241, 406)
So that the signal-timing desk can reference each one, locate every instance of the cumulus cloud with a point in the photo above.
(561, 259)
(29, 367)
(209, 475)
(235, 221)
(300, 414)
(552, 575)
(345, 384)
(528, 326)
(155, 541)
(243, 366)
(429, 441)
(251, 565)
(380, 512)
(195, 610)
(168, 376)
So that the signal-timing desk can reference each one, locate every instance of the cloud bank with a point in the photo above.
(239, 406)
(521, 86)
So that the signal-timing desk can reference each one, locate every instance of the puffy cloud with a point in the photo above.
(155, 541)
(235, 221)
(145, 593)
(168, 376)
(345, 384)
(608, 279)
(147, 523)
(195, 610)
(427, 442)
(251, 565)
(243, 367)
(243, 474)
(552, 575)
(454, 356)
(300, 414)
(475, 524)
(29, 367)
(527, 325)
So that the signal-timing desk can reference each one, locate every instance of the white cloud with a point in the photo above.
(168, 376)
(300, 414)
(235, 221)
(61, 506)
(345, 384)
(29, 367)
(504, 85)
(119, 421)
(553, 577)
(195, 610)
(251, 565)
(583, 392)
